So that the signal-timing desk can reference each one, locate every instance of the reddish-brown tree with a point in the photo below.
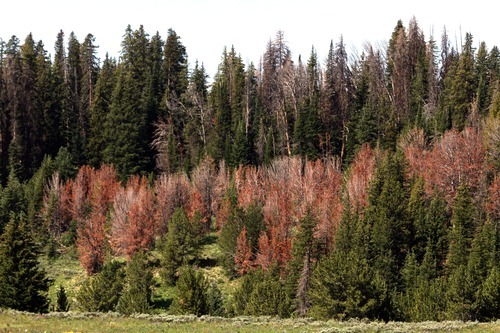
(55, 210)
(80, 189)
(133, 218)
(416, 153)
(94, 192)
(172, 192)
(458, 157)
(243, 255)
(360, 174)
(203, 180)
(265, 257)
(220, 187)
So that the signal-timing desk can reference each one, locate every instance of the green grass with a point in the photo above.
(66, 271)
(12, 321)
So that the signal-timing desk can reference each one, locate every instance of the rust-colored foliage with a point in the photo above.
(203, 193)
(80, 188)
(265, 257)
(362, 169)
(220, 186)
(172, 192)
(133, 218)
(456, 158)
(325, 179)
(93, 192)
(55, 210)
(413, 144)
(243, 256)
(249, 185)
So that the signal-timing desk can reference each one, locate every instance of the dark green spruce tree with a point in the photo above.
(23, 283)
(126, 130)
(102, 292)
(99, 110)
(304, 255)
(192, 288)
(181, 245)
(136, 295)
(62, 302)
(307, 125)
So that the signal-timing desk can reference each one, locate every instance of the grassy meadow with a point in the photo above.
(13, 321)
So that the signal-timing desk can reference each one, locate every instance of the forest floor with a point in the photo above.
(13, 322)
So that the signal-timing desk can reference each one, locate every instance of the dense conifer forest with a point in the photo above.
(331, 186)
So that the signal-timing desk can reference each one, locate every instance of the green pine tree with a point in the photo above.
(102, 292)
(489, 298)
(215, 301)
(23, 283)
(136, 295)
(269, 296)
(304, 253)
(12, 201)
(387, 214)
(100, 108)
(62, 303)
(462, 228)
(181, 247)
(192, 288)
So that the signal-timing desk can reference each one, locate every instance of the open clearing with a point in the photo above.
(12, 321)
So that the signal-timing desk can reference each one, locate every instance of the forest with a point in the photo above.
(342, 186)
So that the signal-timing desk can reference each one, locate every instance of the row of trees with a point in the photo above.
(149, 111)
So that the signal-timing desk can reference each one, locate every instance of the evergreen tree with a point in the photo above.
(460, 86)
(462, 228)
(230, 230)
(89, 64)
(99, 110)
(57, 118)
(72, 114)
(181, 245)
(127, 131)
(227, 101)
(136, 295)
(390, 237)
(417, 210)
(23, 284)
(307, 126)
(12, 201)
(175, 76)
(301, 264)
(437, 222)
(125, 126)
(192, 288)
(268, 296)
(215, 301)
(62, 304)
(102, 291)
(344, 286)
(489, 298)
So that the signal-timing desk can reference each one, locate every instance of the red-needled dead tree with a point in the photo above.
(203, 180)
(243, 256)
(92, 240)
(133, 225)
(360, 174)
(172, 192)
(55, 212)
(458, 157)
